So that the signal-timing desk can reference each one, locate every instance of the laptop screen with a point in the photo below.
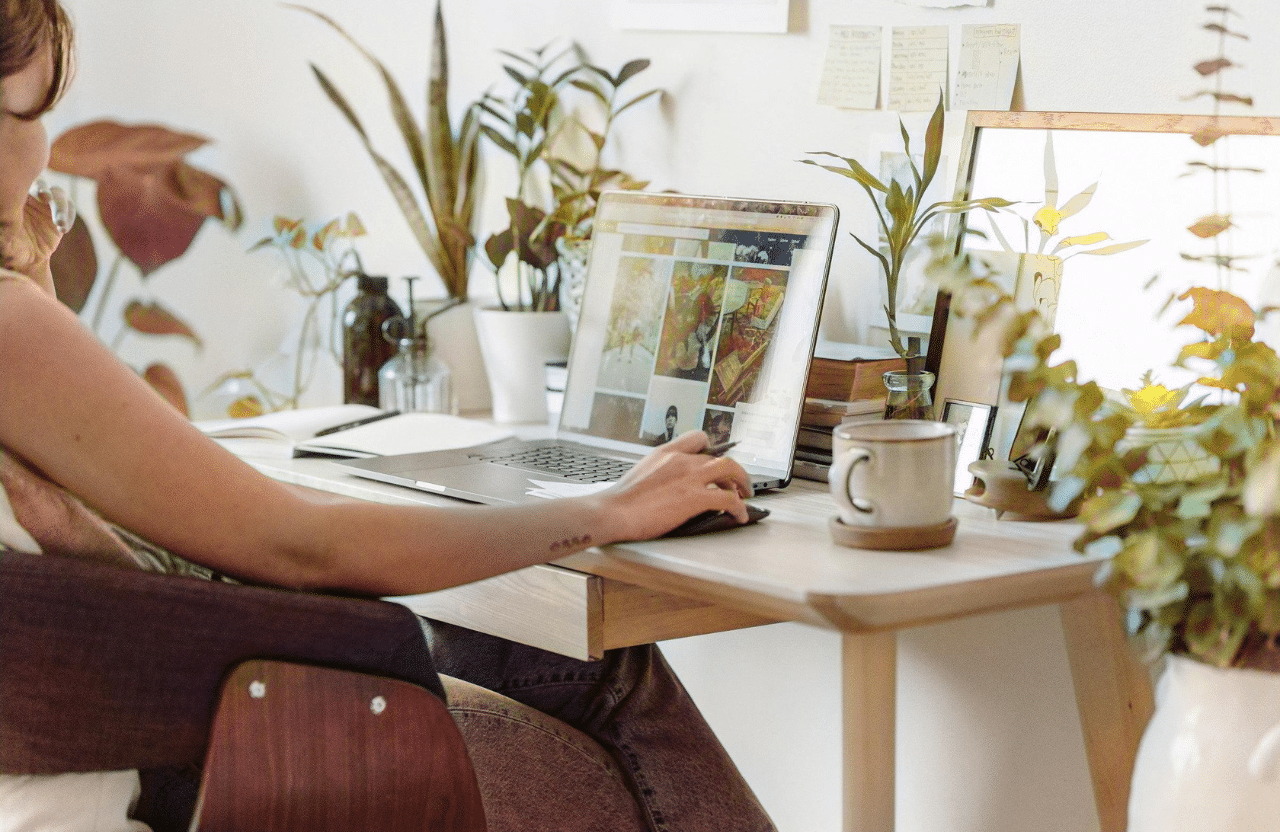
(698, 313)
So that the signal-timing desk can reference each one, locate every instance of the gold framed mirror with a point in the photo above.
(1116, 214)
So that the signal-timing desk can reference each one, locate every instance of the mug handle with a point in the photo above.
(841, 468)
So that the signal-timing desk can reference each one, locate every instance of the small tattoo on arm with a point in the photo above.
(571, 543)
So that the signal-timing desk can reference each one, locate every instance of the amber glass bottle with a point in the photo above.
(364, 350)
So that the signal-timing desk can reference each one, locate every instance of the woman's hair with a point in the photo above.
(27, 26)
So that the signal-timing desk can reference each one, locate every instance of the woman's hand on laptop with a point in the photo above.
(673, 483)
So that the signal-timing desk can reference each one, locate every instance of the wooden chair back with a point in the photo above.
(295, 747)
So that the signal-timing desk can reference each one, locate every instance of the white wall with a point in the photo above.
(988, 735)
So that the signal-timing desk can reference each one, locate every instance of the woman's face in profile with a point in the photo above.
(24, 145)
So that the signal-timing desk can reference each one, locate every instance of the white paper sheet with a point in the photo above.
(988, 69)
(851, 71)
(944, 4)
(554, 490)
(917, 67)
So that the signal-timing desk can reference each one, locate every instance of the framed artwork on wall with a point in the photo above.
(703, 15)
(973, 423)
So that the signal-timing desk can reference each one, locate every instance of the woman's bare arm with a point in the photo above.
(89, 423)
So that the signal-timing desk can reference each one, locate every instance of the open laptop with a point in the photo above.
(697, 313)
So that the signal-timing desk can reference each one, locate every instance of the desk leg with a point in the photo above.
(870, 680)
(1113, 693)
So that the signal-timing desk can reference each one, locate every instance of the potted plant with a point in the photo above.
(1194, 554)
(437, 199)
(900, 211)
(560, 172)
(902, 216)
(1181, 492)
(532, 125)
(152, 203)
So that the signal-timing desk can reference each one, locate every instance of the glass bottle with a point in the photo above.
(364, 350)
(414, 379)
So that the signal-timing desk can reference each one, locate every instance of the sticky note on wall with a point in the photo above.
(851, 70)
(917, 67)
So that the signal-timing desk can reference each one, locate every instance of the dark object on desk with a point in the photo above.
(716, 521)
(816, 470)
(364, 350)
(357, 423)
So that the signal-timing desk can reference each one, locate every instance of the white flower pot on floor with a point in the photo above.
(1209, 760)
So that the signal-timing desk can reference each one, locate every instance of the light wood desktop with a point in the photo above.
(787, 569)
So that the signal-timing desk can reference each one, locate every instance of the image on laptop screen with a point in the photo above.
(698, 313)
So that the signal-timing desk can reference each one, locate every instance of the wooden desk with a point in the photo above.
(787, 569)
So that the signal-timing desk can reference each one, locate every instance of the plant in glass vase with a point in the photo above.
(900, 210)
(318, 262)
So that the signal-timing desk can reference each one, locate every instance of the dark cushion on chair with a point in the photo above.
(103, 668)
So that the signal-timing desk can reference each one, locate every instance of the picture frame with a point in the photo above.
(769, 16)
(973, 423)
(1033, 452)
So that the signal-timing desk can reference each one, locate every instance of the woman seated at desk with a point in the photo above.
(78, 428)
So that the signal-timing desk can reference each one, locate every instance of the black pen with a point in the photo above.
(719, 449)
(358, 422)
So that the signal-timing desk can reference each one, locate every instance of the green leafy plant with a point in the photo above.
(152, 203)
(1196, 559)
(319, 261)
(899, 209)
(1199, 560)
(534, 124)
(445, 163)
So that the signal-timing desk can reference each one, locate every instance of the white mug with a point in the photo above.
(893, 473)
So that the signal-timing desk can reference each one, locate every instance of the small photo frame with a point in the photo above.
(1033, 453)
(973, 423)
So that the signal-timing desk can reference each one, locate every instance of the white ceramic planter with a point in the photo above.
(1173, 454)
(454, 341)
(516, 347)
(1210, 758)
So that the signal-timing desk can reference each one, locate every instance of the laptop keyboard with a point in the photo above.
(583, 466)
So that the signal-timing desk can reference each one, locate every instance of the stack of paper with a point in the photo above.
(372, 432)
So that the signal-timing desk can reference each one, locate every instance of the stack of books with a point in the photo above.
(845, 382)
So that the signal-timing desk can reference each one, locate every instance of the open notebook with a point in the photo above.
(698, 312)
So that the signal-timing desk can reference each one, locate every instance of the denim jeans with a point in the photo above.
(632, 704)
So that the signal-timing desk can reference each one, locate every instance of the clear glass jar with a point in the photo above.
(909, 394)
(415, 380)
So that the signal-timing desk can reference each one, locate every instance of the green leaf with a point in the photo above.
(1110, 510)
(499, 139)
(933, 144)
(1210, 638)
(635, 101)
(630, 69)
(856, 171)
(595, 91)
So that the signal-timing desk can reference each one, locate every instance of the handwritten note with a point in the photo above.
(917, 67)
(851, 71)
(943, 4)
(989, 56)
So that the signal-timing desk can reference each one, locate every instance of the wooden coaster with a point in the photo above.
(894, 539)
